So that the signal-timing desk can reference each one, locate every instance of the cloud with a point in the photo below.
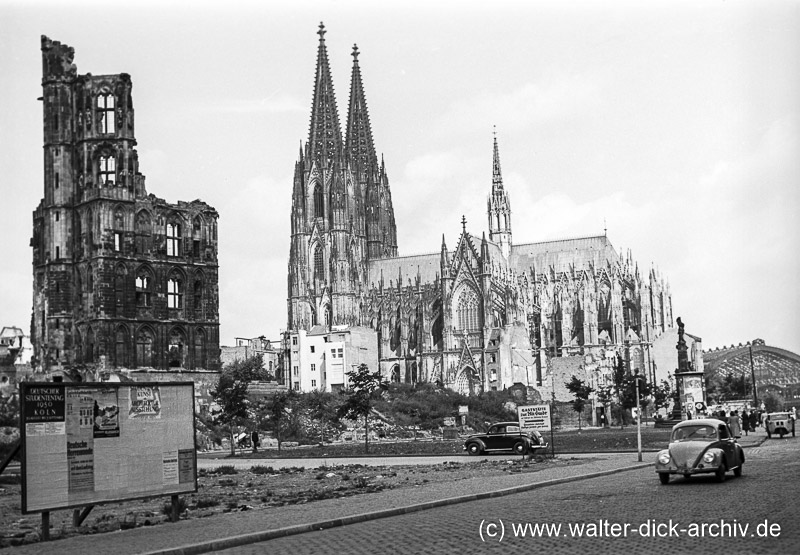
(556, 98)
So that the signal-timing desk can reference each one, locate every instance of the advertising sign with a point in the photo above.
(79, 448)
(534, 417)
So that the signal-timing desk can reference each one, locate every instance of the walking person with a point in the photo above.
(735, 424)
(746, 422)
(254, 440)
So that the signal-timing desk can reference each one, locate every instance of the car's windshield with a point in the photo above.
(692, 433)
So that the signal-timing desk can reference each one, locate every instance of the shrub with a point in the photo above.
(166, 508)
(204, 502)
(260, 469)
(226, 469)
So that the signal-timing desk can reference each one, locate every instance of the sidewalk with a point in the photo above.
(240, 528)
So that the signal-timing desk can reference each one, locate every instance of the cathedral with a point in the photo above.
(122, 279)
(486, 313)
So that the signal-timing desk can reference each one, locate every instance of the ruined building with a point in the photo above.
(122, 279)
(489, 314)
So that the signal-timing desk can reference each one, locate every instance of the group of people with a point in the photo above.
(746, 422)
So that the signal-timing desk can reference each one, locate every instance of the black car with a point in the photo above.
(504, 436)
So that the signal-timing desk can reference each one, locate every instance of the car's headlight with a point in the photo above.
(663, 458)
(709, 457)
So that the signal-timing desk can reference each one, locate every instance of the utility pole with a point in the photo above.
(753, 374)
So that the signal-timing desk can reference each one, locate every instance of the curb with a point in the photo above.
(255, 537)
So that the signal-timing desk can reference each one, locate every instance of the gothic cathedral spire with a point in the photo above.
(359, 145)
(499, 207)
(372, 180)
(324, 134)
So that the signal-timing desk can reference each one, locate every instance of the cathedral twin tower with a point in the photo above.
(342, 215)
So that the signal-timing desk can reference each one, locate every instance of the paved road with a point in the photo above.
(764, 501)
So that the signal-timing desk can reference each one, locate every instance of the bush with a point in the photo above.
(205, 502)
(166, 508)
(260, 469)
(226, 469)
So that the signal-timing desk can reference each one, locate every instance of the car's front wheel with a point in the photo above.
(474, 449)
(720, 474)
(664, 477)
(738, 471)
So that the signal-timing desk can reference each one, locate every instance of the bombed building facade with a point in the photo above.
(122, 278)
(487, 314)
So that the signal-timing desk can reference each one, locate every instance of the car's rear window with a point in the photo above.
(685, 433)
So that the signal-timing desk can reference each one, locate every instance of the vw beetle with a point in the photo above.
(702, 446)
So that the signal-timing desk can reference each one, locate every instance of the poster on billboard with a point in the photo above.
(80, 449)
(534, 417)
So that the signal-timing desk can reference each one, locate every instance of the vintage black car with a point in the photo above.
(504, 436)
(698, 447)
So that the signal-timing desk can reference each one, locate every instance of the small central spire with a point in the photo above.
(355, 53)
(463, 223)
(321, 31)
(497, 176)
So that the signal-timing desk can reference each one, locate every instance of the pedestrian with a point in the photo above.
(735, 424)
(254, 440)
(746, 422)
(753, 420)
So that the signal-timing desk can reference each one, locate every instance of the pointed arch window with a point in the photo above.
(319, 201)
(174, 291)
(197, 297)
(143, 232)
(173, 238)
(144, 281)
(121, 347)
(105, 113)
(144, 348)
(197, 232)
(467, 310)
(119, 225)
(319, 265)
(119, 290)
(108, 170)
(200, 349)
(177, 342)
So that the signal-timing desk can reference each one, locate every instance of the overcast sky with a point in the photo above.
(675, 125)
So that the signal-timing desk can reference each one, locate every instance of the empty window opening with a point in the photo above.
(105, 110)
(108, 170)
(173, 239)
(142, 290)
(174, 293)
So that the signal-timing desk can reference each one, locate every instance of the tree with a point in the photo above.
(363, 387)
(321, 408)
(230, 393)
(629, 387)
(581, 392)
(278, 409)
(662, 394)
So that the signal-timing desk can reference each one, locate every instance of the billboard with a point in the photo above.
(534, 417)
(89, 443)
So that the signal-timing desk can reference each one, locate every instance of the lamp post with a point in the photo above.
(638, 417)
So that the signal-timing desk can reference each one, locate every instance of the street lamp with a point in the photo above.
(638, 416)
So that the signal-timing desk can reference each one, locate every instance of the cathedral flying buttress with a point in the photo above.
(490, 314)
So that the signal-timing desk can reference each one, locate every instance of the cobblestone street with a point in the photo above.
(765, 494)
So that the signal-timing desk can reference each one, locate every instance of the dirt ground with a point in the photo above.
(226, 490)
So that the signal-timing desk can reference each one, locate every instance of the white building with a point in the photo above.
(319, 359)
